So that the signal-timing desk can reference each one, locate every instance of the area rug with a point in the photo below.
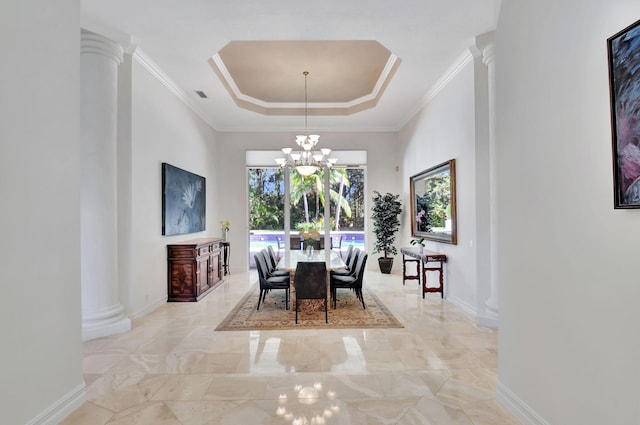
(349, 314)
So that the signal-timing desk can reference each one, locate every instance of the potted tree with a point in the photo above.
(386, 223)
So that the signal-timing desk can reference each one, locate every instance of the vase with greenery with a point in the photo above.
(386, 223)
(419, 243)
(225, 225)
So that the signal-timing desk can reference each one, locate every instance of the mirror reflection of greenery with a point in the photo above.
(266, 199)
(436, 203)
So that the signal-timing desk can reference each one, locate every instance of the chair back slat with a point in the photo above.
(354, 258)
(272, 256)
(349, 254)
(360, 268)
(268, 283)
(261, 266)
(311, 280)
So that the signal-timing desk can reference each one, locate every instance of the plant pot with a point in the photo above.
(386, 264)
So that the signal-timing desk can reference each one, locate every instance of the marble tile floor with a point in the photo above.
(172, 368)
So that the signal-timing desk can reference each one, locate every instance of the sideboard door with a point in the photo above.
(214, 265)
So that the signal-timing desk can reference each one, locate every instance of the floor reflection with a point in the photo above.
(308, 404)
(292, 354)
(174, 368)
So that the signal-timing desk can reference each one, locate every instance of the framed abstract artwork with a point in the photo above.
(183, 201)
(624, 87)
(433, 203)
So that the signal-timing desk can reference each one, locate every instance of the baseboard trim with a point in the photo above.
(517, 407)
(55, 413)
(149, 308)
(467, 308)
(488, 321)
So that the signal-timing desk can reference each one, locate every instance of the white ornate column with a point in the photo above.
(102, 313)
(488, 59)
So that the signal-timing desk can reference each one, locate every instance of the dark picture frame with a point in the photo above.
(433, 203)
(624, 87)
(183, 201)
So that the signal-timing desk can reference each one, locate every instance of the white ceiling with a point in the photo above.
(181, 36)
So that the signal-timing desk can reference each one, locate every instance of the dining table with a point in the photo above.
(289, 262)
(290, 258)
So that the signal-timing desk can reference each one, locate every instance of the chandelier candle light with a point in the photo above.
(306, 160)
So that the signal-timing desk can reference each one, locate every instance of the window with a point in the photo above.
(267, 209)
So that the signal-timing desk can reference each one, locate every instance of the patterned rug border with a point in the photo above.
(371, 301)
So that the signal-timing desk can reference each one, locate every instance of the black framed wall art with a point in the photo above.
(624, 85)
(183, 201)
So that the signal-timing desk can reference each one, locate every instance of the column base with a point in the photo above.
(488, 320)
(98, 330)
(492, 305)
(104, 322)
(489, 317)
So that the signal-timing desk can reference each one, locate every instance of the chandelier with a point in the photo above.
(305, 159)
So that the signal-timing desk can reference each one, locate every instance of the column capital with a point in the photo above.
(484, 43)
(488, 54)
(93, 43)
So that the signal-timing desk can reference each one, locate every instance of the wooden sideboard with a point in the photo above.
(194, 269)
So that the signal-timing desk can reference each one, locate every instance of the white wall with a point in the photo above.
(41, 368)
(382, 160)
(163, 129)
(568, 269)
(445, 129)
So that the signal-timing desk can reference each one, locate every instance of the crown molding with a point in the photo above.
(458, 65)
(481, 48)
(128, 45)
(151, 67)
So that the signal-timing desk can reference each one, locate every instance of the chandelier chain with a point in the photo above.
(306, 160)
(305, 73)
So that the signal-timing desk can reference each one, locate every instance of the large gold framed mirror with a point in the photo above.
(433, 203)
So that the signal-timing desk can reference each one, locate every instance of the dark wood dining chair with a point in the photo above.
(280, 243)
(272, 262)
(350, 262)
(336, 243)
(310, 281)
(353, 282)
(267, 283)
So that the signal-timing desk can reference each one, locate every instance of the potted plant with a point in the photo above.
(386, 223)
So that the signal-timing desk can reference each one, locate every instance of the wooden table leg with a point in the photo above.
(440, 288)
(406, 276)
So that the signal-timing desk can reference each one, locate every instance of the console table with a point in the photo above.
(226, 254)
(422, 259)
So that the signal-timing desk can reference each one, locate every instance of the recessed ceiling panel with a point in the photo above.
(345, 76)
